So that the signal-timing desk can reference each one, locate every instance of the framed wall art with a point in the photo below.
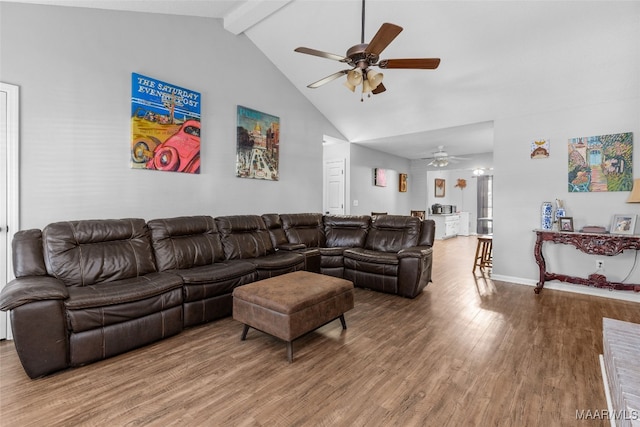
(380, 177)
(257, 145)
(402, 179)
(165, 126)
(601, 163)
(419, 214)
(540, 148)
(439, 187)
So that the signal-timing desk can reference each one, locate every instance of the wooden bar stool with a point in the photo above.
(484, 255)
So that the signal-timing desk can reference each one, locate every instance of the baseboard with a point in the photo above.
(570, 287)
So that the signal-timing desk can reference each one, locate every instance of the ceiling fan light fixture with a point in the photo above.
(439, 162)
(354, 77)
(366, 87)
(374, 79)
(349, 86)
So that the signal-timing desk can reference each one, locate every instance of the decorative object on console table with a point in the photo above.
(623, 224)
(565, 223)
(402, 179)
(560, 212)
(439, 188)
(546, 219)
(589, 243)
(593, 229)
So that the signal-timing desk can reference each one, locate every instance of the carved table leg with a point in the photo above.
(540, 261)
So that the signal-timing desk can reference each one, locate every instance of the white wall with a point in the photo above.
(74, 66)
(370, 197)
(522, 185)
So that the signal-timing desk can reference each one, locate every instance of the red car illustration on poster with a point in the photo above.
(180, 152)
(165, 126)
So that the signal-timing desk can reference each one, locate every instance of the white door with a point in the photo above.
(334, 187)
(8, 186)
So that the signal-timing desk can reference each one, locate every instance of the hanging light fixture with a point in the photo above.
(440, 162)
(374, 79)
(355, 76)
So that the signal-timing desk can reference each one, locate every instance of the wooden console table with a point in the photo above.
(589, 243)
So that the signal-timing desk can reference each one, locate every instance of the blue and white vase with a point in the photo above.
(560, 212)
(546, 220)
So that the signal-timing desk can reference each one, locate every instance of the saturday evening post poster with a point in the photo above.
(258, 145)
(165, 126)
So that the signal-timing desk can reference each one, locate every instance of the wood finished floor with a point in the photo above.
(468, 351)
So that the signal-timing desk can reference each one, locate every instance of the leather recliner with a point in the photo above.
(396, 257)
(85, 291)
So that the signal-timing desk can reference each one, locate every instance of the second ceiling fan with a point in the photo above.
(363, 56)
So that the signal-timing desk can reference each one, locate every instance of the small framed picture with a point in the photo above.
(402, 179)
(439, 187)
(566, 223)
(623, 224)
(380, 177)
(419, 214)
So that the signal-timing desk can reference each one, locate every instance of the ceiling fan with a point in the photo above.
(441, 158)
(363, 56)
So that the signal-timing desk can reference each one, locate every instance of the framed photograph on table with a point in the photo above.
(565, 223)
(623, 224)
(439, 187)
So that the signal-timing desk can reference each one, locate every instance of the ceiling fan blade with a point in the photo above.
(327, 79)
(417, 63)
(321, 54)
(383, 37)
(379, 89)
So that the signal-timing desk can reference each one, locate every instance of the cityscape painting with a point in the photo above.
(601, 163)
(258, 145)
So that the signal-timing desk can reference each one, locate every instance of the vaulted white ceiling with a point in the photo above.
(499, 59)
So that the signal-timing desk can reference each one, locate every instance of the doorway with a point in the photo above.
(9, 140)
(334, 185)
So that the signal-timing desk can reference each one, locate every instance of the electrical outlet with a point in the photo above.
(599, 264)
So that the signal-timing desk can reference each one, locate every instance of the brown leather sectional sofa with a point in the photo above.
(90, 289)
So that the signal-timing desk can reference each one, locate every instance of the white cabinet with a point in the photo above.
(447, 225)
(463, 229)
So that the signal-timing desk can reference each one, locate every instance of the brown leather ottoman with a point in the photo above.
(290, 305)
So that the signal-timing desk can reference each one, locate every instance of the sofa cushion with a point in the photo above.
(244, 236)
(392, 233)
(185, 242)
(96, 306)
(88, 252)
(274, 225)
(346, 230)
(215, 279)
(305, 228)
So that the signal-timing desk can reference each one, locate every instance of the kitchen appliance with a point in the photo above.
(438, 209)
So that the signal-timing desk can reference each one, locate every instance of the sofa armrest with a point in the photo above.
(415, 252)
(28, 289)
(414, 270)
(291, 246)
